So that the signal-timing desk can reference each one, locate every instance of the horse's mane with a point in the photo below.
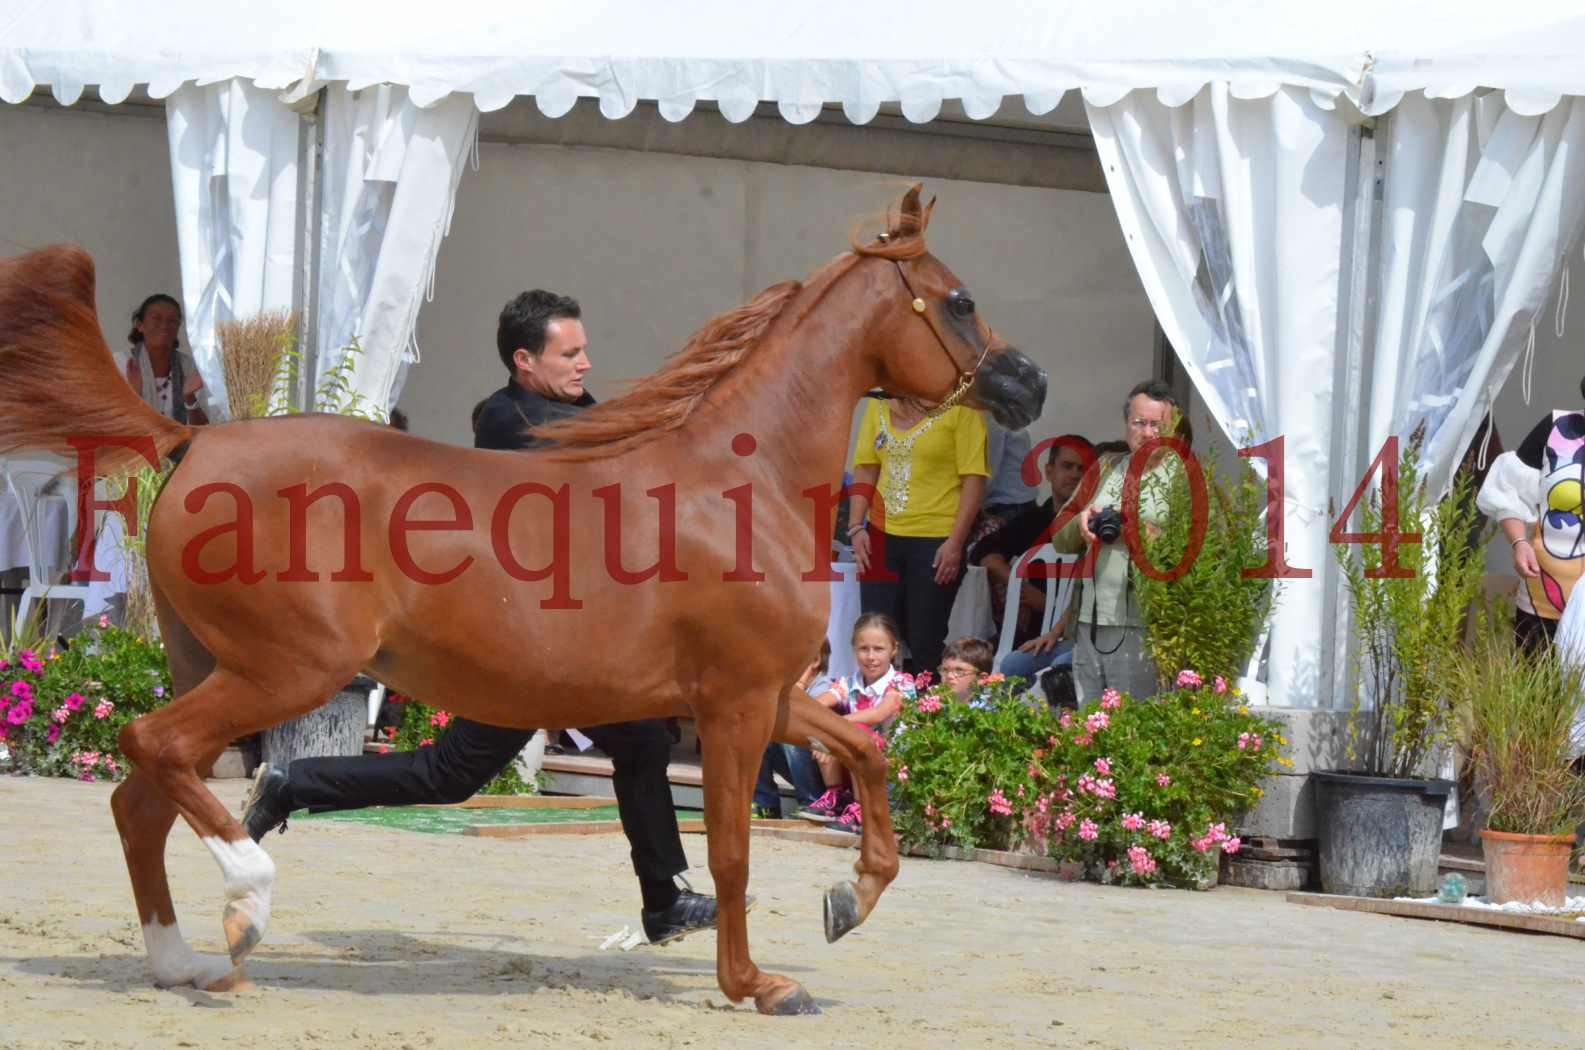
(664, 401)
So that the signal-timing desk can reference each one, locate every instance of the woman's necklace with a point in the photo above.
(899, 456)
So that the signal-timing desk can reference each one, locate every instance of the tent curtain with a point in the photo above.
(1480, 205)
(390, 182)
(1232, 209)
(234, 173)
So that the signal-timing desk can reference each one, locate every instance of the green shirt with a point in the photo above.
(1106, 599)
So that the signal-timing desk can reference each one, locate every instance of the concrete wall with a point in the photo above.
(655, 244)
(102, 181)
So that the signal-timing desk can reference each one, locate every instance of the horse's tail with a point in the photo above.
(58, 380)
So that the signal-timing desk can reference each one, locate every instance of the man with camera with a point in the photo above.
(1110, 649)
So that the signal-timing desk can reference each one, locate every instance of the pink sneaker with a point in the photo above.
(852, 819)
(825, 809)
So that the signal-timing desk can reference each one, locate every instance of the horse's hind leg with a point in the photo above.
(171, 745)
(849, 903)
(734, 741)
(144, 817)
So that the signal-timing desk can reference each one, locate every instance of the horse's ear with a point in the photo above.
(912, 218)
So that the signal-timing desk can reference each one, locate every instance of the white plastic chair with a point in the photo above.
(1058, 590)
(35, 482)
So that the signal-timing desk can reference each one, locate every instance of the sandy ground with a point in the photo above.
(394, 939)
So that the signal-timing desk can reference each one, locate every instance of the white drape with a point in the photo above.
(1480, 204)
(1232, 209)
(234, 175)
(390, 181)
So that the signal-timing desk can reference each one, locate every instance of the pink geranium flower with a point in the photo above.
(1097, 721)
(60, 714)
(426, 742)
(1232, 845)
(1111, 700)
(1162, 780)
(440, 719)
(1188, 679)
(1103, 766)
(999, 804)
(929, 705)
(902, 772)
(1140, 860)
(1088, 831)
(1219, 685)
(1160, 829)
(102, 709)
(1133, 821)
(1083, 740)
(104, 621)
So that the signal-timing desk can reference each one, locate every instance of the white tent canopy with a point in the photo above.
(1234, 135)
(737, 53)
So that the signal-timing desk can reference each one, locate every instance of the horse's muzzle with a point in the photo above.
(1012, 387)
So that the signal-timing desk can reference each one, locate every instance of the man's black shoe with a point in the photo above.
(266, 807)
(689, 913)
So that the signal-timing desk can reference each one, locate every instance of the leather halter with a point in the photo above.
(965, 376)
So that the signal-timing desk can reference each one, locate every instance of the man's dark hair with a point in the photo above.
(523, 321)
(1077, 442)
(1154, 389)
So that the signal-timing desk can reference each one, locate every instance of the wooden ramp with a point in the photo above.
(1556, 925)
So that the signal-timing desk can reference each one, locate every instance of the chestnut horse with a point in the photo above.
(446, 572)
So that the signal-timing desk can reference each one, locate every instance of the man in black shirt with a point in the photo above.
(541, 341)
(1066, 460)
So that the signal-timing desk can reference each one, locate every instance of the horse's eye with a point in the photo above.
(960, 304)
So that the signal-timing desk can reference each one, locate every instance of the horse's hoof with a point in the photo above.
(841, 911)
(241, 934)
(795, 1003)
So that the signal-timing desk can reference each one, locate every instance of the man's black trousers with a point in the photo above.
(469, 755)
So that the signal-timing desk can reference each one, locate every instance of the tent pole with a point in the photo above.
(1356, 348)
(305, 303)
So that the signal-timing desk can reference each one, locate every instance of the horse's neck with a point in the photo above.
(809, 382)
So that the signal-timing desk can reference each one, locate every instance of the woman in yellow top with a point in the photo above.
(930, 473)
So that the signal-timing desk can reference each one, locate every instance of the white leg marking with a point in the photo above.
(249, 873)
(175, 963)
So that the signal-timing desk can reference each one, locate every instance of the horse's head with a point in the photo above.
(941, 350)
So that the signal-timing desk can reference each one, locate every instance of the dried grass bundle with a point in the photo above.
(249, 354)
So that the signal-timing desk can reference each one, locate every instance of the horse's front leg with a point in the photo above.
(734, 741)
(849, 903)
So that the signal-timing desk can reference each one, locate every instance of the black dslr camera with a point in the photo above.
(1107, 524)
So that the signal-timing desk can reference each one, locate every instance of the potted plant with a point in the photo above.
(1380, 822)
(1515, 721)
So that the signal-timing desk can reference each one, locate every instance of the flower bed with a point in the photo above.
(1133, 791)
(62, 711)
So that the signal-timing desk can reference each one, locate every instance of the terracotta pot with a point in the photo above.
(1526, 868)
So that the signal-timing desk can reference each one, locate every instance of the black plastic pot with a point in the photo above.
(1379, 836)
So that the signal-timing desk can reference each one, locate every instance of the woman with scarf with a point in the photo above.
(162, 373)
